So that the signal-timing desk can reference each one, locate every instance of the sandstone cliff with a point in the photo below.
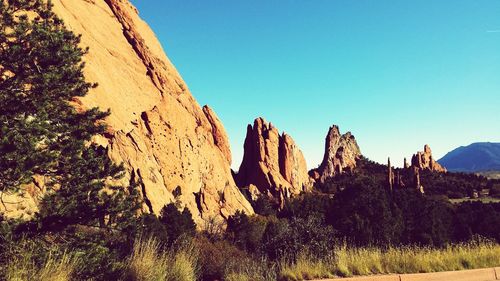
(156, 128)
(423, 160)
(272, 162)
(219, 133)
(341, 154)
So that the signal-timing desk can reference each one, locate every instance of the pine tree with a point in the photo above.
(41, 132)
(177, 223)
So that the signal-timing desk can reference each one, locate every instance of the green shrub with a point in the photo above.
(177, 223)
(287, 239)
(264, 206)
(246, 232)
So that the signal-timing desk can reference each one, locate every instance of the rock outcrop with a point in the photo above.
(272, 162)
(394, 177)
(423, 160)
(341, 154)
(390, 175)
(219, 133)
(156, 128)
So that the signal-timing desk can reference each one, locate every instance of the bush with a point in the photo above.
(264, 206)
(246, 232)
(220, 258)
(151, 226)
(177, 223)
(285, 239)
(307, 204)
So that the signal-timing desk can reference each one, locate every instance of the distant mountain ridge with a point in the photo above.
(477, 157)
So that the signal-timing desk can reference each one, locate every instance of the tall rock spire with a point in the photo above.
(272, 162)
(390, 175)
(341, 155)
(416, 178)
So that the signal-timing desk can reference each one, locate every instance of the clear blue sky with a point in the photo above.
(398, 74)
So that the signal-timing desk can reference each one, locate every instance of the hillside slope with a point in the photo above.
(477, 157)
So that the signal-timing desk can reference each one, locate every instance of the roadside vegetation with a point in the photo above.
(347, 262)
(149, 260)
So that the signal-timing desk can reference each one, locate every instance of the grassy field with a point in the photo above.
(369, 261)
(491, 174)
(482, 199)
(149, 262)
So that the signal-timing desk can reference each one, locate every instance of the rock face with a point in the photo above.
(423, 160)
(272, 162)
(156, 128)
(23, 205)
(341, 154)
(219, 133)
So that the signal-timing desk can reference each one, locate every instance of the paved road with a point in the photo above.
(488, 274)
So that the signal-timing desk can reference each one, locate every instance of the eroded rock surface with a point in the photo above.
(341, 154)
(219, 133)
(156, 128)
(272, 162)
(423, 160)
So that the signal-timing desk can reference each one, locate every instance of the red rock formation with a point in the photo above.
(156, 128)
(219, 133)
(406, 165)
(390, 175)
(341, 154)
(272, 162)
(424, 161)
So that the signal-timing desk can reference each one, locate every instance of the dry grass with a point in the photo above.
(306, 268)
(253, 270)
(23, 267)
(149, 263)
(369, 261)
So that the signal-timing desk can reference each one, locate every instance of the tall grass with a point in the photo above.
(23, 266)
(305, 268)
(149, 262)
(368, 261)
(253, 270)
